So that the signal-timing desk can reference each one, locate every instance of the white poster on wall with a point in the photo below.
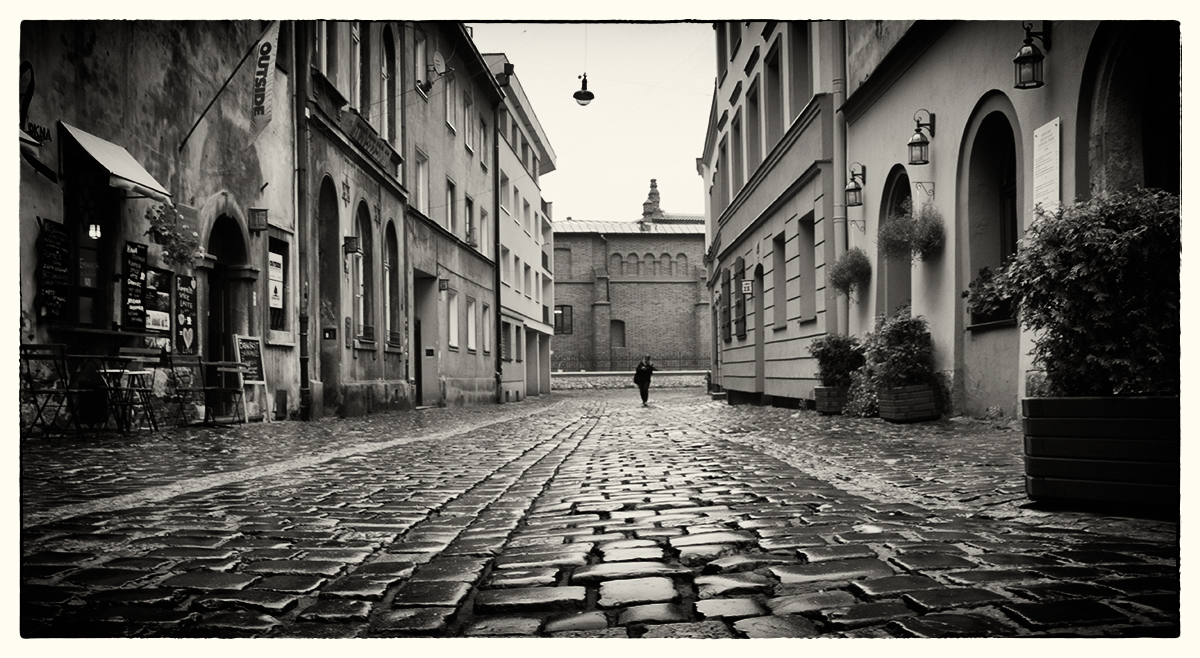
(1046, 172)
(275, 279)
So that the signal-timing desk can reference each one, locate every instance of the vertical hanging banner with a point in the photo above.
(264, 80)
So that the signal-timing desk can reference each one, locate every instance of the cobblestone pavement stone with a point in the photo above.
(581, 515)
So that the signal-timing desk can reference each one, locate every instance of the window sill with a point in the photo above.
(365, 345)
(393, 349)
(452, 348)
(989, 326)
(811, 318)
(281, 338)
(470, 149)
(421, 93)
(452, 128)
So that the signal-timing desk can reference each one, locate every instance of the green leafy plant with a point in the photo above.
(851, 273)
(1098, 284)
(180, 242)
(916, 236)
(900, 350)
(862, 398)
(837, 357)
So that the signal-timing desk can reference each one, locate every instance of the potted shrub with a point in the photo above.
(1097, 283)
(899, 357)
(851, 273)
(913, 236)
(837, 357)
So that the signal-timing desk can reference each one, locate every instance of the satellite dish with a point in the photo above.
(439, 64)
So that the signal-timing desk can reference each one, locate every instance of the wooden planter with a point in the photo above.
(831, 399)
(1122, 450)
(909, 404)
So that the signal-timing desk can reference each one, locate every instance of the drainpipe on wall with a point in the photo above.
(499, 339)
(841, 325)
(301, 49)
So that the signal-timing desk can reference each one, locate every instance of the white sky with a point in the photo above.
(653, 85)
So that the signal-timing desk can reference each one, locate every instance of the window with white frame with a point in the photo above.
(517, 273)
(484, 245)
(471, 325)
(363, 277)
(451, 207)
(387, 85)
(452, 319)
(504, 257)
(468, 125)
(451, 95)
(483, 143)
(487, 329)
(503, 190)
(469, 217)
(420, 63)
(421, 187)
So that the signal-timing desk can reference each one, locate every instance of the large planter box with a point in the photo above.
(908, 404)
(831, 399)
(1122, 450)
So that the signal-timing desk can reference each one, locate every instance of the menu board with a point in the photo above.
(53, 277)
(157, 300)
(133, 306)
(185, 317)
(249, 352)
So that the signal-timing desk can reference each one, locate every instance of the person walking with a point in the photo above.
(641, 377)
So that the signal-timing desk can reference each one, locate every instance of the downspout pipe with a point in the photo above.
(301, 48)
(499, 320)
(842, 317)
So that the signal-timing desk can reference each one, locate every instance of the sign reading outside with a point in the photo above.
(185, 319)
(263, 94)
(275, 280)
(249, 352)
(1046, 166)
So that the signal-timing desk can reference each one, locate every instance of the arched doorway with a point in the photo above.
(895, 275)
(989, 221)
(332, 334)
(226, 313)
(1129, 108)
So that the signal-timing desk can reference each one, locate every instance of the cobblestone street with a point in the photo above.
(579, 514)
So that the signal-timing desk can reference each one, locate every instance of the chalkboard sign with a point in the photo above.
(158, 300)
(249, 352)
(53, 276)
(185, 318)
(133, 307)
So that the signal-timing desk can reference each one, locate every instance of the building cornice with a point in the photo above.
(893, 66)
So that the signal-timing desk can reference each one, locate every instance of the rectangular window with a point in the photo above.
(723, 176)
(753, 129)
(451, 207)
(517, 273)
(451, 96)
(484, 153)
(469, 216)
(487, 329)
(525, 218)
(722, 50)
(800, 74)
(420, 66)
(484, 245)
(563, 320)
(736, 129)
(533, 172)
(506, 346)
(471, 328)
(503, 191)
(421, 189)
(356, 61)
(779, 279)
(452, 319)
(470, 134)
(773, 93)
(519, 342)
(277, 291)
(723, 305)
(806, 245)
(528, 278)
(504, 264)
(739, 304)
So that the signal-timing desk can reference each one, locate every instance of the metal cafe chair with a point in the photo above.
(129, 381)
(46, 389)
(188, 387)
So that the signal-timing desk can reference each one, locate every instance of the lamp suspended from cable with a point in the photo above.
(583, 96)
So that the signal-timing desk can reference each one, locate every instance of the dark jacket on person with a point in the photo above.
(641, 376)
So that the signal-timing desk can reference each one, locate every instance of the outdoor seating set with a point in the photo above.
(91, 394)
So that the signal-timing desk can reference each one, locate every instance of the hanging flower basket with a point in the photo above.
(179, 240)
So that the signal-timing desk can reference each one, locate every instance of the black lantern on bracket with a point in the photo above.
(918, 144)
(858, 177)
(583, 96)
(1027, 64)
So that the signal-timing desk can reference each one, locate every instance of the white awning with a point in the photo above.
(124, 172)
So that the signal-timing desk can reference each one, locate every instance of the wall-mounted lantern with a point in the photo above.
(258, 220)
(1027, 65)
(350, 244)
(918, 144)
(94, 231)
(858, 177)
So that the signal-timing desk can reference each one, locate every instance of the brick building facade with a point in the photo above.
(627, 289)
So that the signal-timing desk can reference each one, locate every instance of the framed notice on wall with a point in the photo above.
(157, 300)
(185, 315)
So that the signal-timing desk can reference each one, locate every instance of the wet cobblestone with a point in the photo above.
(576, 515)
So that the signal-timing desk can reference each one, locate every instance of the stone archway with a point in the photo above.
(894, 288)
